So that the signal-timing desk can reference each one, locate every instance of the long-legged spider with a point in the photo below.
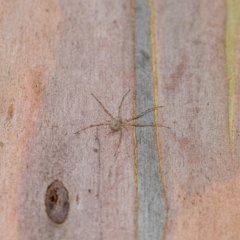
(117, 123)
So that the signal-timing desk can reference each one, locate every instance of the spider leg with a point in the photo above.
(105, 110)
(119, 143)
(125, 127)
(91, 126)
(146, 125)
(119, 108)
(143, 113)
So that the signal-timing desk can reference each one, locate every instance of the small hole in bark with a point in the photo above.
(53, 198)
(57, 202)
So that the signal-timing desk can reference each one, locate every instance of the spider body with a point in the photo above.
(116, 124)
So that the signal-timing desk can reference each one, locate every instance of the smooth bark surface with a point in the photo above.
(140, 182)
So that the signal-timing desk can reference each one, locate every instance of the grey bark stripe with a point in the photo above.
(152, 210)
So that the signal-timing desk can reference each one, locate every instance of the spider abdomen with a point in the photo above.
(116, 124)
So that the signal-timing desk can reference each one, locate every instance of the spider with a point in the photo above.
(117, 123)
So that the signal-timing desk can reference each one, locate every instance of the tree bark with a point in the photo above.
(171, 174)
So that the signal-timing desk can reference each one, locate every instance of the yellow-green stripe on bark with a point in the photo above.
(231, 49)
